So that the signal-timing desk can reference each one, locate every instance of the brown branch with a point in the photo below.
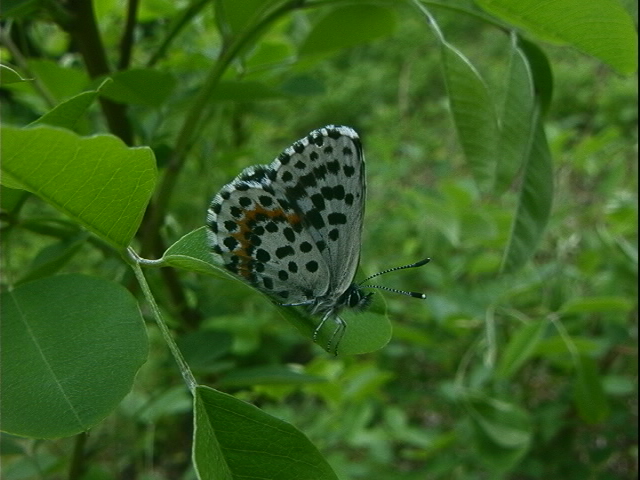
(83, 29)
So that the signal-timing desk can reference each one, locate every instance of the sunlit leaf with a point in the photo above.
(534, 206)
(601, 28)
(98, 181)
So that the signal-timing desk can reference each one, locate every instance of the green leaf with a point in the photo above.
(11, 199)
(601, 28)
(517, 120)
(589, 395)
(9, 75)
(269, 53)
(71, 346)
(233, 439)
(97, 181)
(520, 348)
(366, 331)
(61, 82)
(505, 423)
(541, 71)
(19, 8)
(203, 348)
(192, 253)
(473, 113)
(348, 26)
(597, 305)
(146, 87)
(557, 346)
(502, 431)
(68, 113)
(534, 206)
(53, 257)
(232, 17)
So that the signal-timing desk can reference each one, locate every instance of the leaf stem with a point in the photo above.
(135, 261)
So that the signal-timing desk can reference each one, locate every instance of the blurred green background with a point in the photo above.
(525, 375)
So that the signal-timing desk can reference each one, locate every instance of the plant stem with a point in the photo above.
(83, 29)
(126, 43)
(134, 261)
(78, 461)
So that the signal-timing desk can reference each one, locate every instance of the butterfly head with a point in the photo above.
(354, 297)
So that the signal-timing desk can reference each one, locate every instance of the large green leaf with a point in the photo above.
(473, 113)
(534, 206)
(601, 28)
(517, 120)
(541, 72)
(71, 346)
(98, 181)
(233, 439)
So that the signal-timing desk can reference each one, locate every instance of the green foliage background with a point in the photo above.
(521, 372)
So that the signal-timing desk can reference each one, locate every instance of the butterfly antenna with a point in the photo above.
(411, 265)
(395, 290)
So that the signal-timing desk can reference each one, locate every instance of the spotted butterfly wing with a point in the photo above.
(292, 229)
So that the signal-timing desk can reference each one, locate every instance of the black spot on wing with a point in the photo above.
(318, 201)
(314, 218)
(289, 234)
(336, 218)
(305, 247)
(282, 252)
(231, 243)
(262, 255)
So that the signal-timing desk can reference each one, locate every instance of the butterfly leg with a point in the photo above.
(320, 325)
(338, 334)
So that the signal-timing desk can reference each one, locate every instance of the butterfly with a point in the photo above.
(292, 229)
